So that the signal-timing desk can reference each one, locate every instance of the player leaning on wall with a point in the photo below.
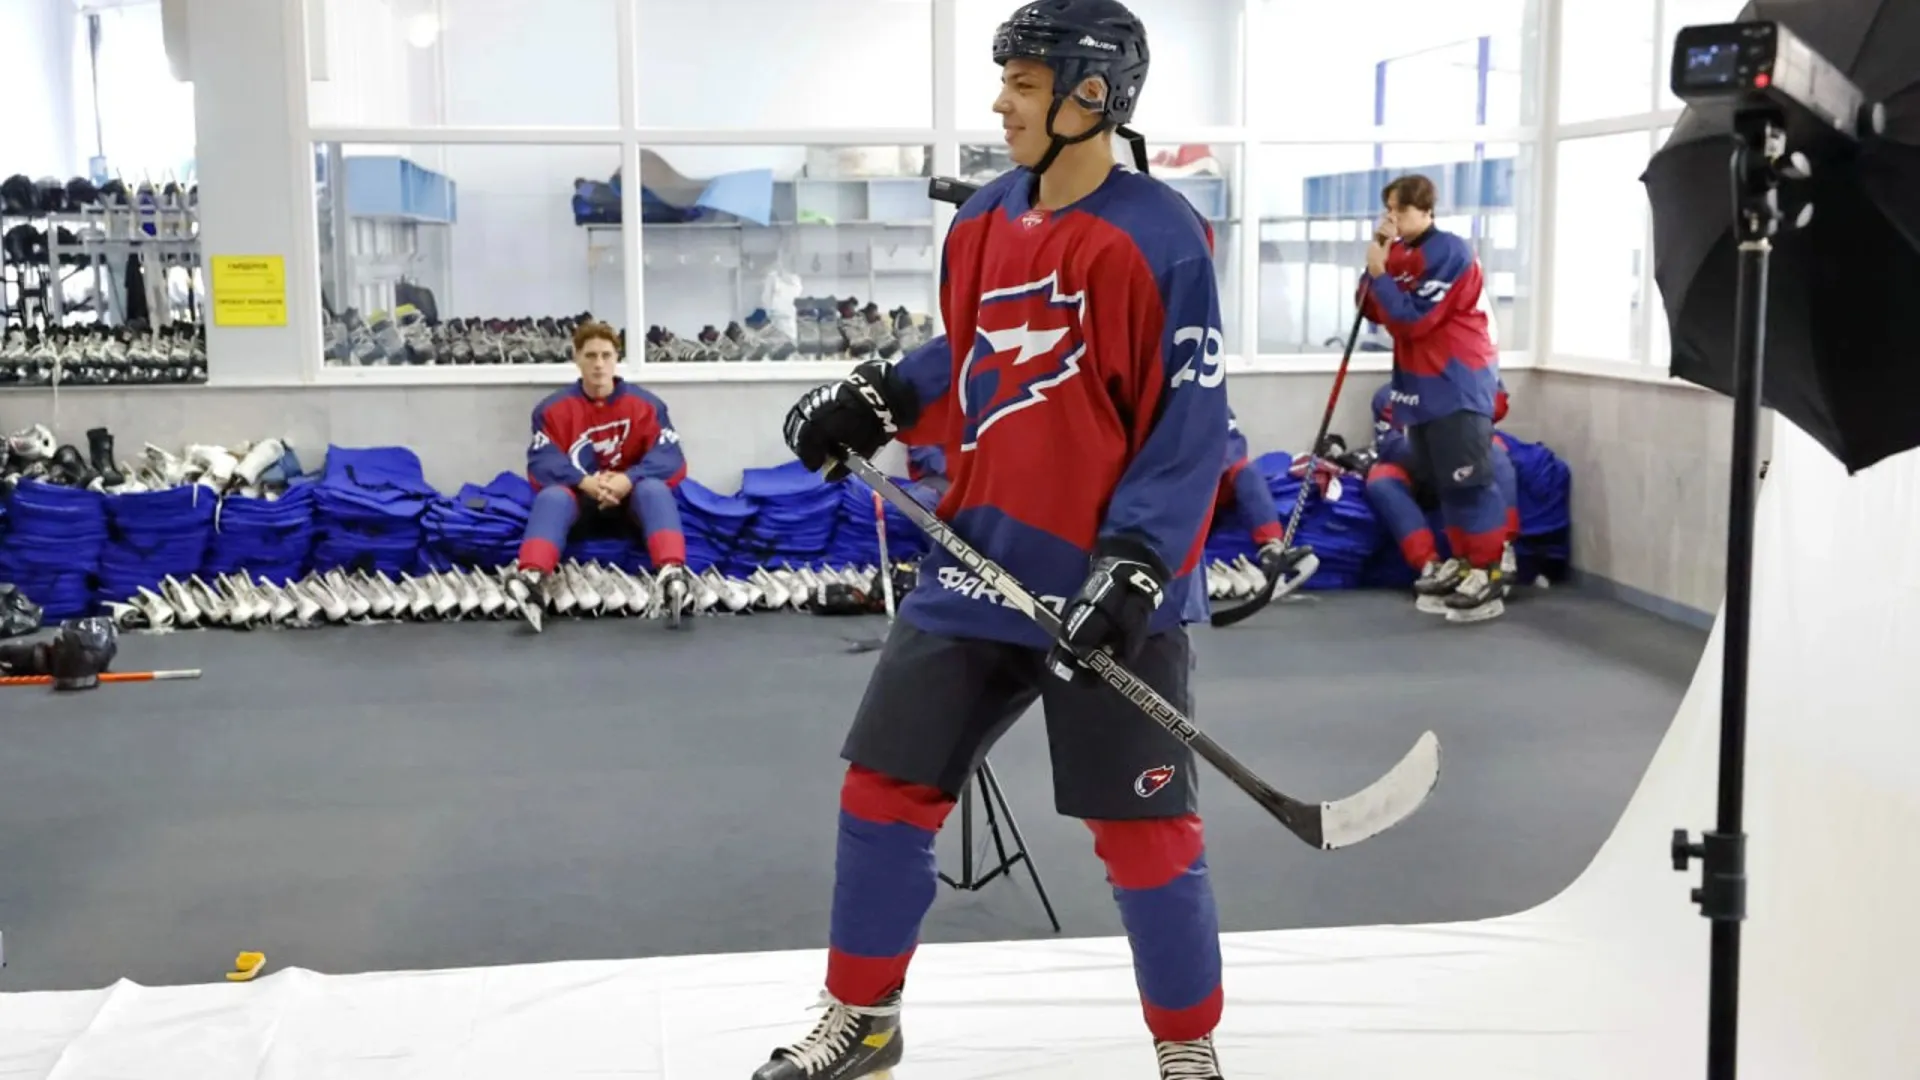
(1083, 413)
(1424, 286)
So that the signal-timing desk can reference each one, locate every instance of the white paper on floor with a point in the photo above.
(1604, 982)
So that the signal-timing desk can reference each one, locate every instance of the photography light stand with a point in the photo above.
(1757, 169)
(995, 802)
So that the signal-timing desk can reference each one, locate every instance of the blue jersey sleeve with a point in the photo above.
(547, 461)
(1165, 497)
(664, 460)
(1417, 311)
(928, 372)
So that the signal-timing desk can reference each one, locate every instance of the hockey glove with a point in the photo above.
(861, 413)
(1124, 587)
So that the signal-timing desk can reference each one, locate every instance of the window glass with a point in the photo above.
(750, 64)
(774, 253)
(1606, 58)
(425, 63)
(1318, 205)
(1374, 62)
(1600, 235)
(413, 239)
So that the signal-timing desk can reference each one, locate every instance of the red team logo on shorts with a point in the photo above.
(1026, 339)
(1149, 783)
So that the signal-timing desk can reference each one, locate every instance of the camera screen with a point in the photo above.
(1711, 65)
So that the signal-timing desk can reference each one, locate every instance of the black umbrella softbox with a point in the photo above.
(1842, 360)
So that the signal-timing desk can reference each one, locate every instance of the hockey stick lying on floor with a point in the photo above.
(106, 677)
(1303, 562)
(1328, 825)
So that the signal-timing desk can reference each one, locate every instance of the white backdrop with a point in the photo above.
(1604, 982)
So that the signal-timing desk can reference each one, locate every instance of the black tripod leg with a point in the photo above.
(994, 794)
(966, 842)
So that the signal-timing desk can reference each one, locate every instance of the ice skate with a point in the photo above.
(586, 598)
(674, 591)
(358, 606)
(850, 1042)
(1192, 1059)
(1478, 598)
(1437, 582)
(559, 594)
(281, 607)
(158, 612)
(1509, 569)
(524, 589)
(493, 602)
(639, 589)
(446, 599)
(185, 609)
(613, 601)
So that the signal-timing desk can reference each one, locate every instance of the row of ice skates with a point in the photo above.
(1241, 579)
(241, 601)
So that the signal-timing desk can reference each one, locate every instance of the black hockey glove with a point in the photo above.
(84, 649)
(861, 413)
(1124, 587)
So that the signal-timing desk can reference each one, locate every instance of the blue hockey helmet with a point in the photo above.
(1081, 40)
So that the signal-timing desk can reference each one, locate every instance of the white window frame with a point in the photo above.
(1646, 368)
(945, 136)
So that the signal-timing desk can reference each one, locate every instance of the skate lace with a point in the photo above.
(1192, 1060)
(835, 1032)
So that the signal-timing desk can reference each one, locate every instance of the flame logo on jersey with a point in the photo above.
(1149, 783)
(1027, 339)
(605, 440)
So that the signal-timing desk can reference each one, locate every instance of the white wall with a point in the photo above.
(36, 68)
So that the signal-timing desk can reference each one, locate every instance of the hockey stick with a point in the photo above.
(106, 677)
(1327, 825)
(867, 645)
(1305, 557)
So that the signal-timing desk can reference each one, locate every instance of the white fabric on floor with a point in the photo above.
(1606, 981)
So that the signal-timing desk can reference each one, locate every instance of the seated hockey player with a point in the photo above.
(603, 450)
(1243, 494)
(1401, 494)
(1085, 423)
(1425, 286)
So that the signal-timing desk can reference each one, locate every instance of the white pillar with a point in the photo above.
(256, 181)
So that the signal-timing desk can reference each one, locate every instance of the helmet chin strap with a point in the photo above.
(1060, 142)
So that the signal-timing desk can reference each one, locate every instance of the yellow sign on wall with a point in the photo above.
(249, 290)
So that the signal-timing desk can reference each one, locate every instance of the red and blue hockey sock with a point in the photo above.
(652, 508)
(1390, 491)
(555, 509)
(1255, 503)
(1158, 870)
(1476, 520)
(1508, 481)
(885, 877)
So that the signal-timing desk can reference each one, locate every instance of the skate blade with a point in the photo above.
(1490, 610)
(533, 617)
(1432, 605)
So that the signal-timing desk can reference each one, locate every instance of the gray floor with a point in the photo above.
(392, 797)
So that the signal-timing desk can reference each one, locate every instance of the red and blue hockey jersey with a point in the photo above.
(630, 431)
(1444, 359)
(1082, 397)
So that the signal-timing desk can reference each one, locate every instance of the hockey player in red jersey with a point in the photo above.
(1083, 413)
(602, 448)
(1424, 285)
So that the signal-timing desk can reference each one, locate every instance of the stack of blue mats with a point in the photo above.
(856, 541)
(479, 526)
(714, 525)
(796, 514)
(53, 546)
(155, 534)
(371, 503)
(270, 539)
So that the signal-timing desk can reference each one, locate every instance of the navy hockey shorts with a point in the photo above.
(1452, 452)
(936, 705)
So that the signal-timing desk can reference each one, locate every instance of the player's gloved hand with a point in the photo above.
(860, 413)
(1124, 587)
(1273, 557)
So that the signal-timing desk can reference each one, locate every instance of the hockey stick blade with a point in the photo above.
(1329, 825)
(1300, 564)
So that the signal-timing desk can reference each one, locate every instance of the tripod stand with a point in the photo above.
(995, 802)
(1758, 167)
